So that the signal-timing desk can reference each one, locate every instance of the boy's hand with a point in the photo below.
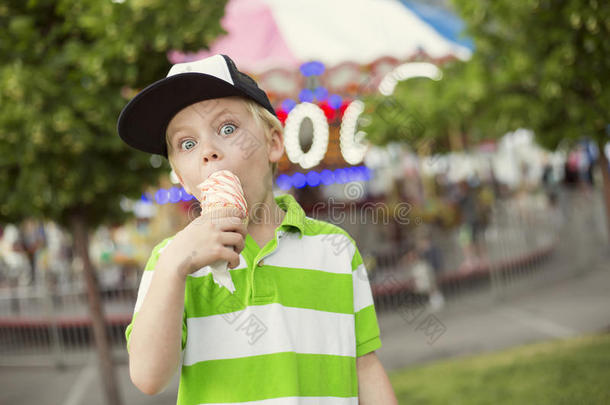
(207, 239)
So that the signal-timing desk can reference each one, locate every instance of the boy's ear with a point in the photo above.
(276, 145)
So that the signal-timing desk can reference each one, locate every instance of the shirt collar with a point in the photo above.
(295, 216)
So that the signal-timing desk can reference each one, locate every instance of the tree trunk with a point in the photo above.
(603, 162)
(81, 245)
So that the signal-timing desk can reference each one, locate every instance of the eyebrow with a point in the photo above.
(224, 111)
(170, 137)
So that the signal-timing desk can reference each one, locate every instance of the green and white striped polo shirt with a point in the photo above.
(301, 314)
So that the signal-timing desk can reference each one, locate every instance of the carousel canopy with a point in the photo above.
(279, 34)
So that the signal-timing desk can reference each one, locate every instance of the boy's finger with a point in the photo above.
(231, 257)
(232, 224)
(232, 239)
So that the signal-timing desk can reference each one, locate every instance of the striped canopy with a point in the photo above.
(278, 34)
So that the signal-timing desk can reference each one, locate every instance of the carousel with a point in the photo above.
(316, 60)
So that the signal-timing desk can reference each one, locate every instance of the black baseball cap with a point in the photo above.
(143, 121)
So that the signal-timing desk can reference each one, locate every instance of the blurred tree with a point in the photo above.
(547, 65)
(430, 115)
(67, 68)
(538, 64)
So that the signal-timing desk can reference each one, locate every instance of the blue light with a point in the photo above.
(327, 177)
(288, 104)
(185, 196)
(174, 195)
(353, 174)
(144, 198)
(341, 176)
(313, 178)
(362, 170)
(321, 93)
(161, 196)
(335, 100)
(299, 180)
(306, 96)
(366, 173)
(284, 181)
(313, 68)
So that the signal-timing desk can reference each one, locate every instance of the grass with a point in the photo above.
(574, 371)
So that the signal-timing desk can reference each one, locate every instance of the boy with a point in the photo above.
(300, 327)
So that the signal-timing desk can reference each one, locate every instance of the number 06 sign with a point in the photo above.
(352, 148)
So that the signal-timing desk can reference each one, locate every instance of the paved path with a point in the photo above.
(574, 306)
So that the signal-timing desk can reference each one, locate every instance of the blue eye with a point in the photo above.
(227, 129)
(188, 141)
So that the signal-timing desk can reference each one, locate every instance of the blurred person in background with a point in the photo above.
(474, 203)
(550, 183)
(424, 279)
(432, 255)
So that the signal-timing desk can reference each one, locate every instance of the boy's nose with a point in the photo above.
(210, 156)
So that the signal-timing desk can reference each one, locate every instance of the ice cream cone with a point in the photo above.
(220, 193)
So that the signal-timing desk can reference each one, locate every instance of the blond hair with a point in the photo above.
(261, 115)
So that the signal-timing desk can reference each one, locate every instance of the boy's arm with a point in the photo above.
(374, 386)
(155, 344)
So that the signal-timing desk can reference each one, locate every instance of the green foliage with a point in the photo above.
(541, 64)
(67, 68)
(548, 62)
(423, 112)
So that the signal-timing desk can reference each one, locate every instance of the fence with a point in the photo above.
(38, 327)
(526, 244)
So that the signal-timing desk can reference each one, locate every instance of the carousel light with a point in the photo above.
(320, 92)
(408, 71)
(364, 173)
(281, 115)
(352, 149)
(329, 112)
(353, 174)
(284, 181)
(299, 180)
(334, 100)
(341, 176)
(313, 68)
(316, 152)
(327, 177)
(185, 196)
(174, 195)
(164, 196)
(313, 178)
(161, 196)
(288, 104)
(306, 96)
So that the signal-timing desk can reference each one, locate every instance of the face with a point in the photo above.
(221, 134)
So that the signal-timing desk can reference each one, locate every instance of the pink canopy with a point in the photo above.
(253, 40)
(281, 34)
